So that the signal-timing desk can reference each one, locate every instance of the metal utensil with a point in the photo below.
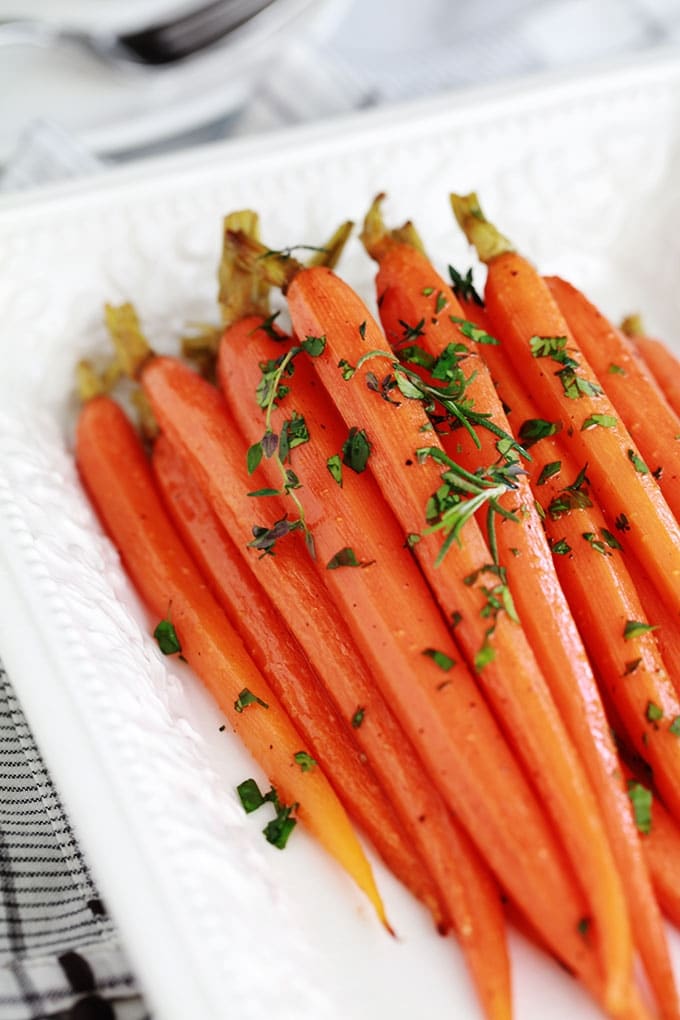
(165, 42)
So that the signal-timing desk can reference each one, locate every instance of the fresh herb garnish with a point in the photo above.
(362, 330)
(313, 345)
(356, 450)
(674, 727)
(472, 332)
(622, 523)
(615, 369)
(583, 926)
(267, 326)
(638, 463)
(334, 465)
(595, 543)
(611, 540)
(653, 712)
(555, 348)
(294, 433)
(411, 332)
(166, 636)
(533, 429)
(548, 471)
(498, 599)
(346, 557)
(358, 717)
(561, 547)
(634, 628)
(463, 286)
(383, 387)
(250, 795)
(631, 666)
(641, 799)
(305, 761)
(443, 660)
(572, 497)
(265, 539)
(605, 421)
(247, 698)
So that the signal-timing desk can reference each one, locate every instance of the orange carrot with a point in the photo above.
(321, 304)
(411, 291)
(660, 360)
(661, 847)
(524, 316)
(276, 653)
(118, 478)
(196, 420)
(630, 386)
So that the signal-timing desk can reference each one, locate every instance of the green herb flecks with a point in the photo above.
(635, 628)
(305, 761)
(334, 465)
(358, 717)
(247, 698)
(463, 286)
(549, 471)
(605, 421)
(250, 795)
(356, 450)
(534, 429)
(442, 660)
(346, 557)
(561, 547)
(641, 799)
(166, 636)
(278, 830)
(595, 543)
(638, 463)
(472, 332)
(572, 497)
(555, 348)
(462, 493)
(498, 599)
(653, 712)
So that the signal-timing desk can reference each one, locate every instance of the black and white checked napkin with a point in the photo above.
(59, 952)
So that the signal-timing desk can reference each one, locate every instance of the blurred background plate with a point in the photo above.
(112, 110)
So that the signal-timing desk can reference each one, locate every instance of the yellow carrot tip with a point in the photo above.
(482, 235)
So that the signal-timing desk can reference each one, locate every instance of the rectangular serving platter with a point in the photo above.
(582, 174)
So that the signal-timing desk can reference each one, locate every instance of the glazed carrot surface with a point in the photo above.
(425, 555)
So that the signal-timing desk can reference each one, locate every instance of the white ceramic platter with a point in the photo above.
(583, 175)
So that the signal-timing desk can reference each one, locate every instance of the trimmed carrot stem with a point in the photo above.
(321, 304)
(277, 654)
(118, 477)
(630, 386)
(196, 419)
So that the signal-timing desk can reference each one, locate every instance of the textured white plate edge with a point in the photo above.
(532, 93)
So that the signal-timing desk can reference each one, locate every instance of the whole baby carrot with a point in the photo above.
(660, 360)
(326, 735)
(118, 478)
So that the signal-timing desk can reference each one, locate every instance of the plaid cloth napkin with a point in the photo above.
(59, 953)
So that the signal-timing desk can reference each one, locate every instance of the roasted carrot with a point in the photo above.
(657, 612)
(276, 653)
(118, 478)
(660, 360)
(630, 386)
(661, 845)
(196, 420)
(410, 291)
(320, 304)
(525, 318)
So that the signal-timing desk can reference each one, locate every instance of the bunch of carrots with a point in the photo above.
(430, 570)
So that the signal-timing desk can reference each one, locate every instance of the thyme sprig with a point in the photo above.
(270, 390)
(462, 493)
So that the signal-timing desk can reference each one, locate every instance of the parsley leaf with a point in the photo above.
(533, 429)
(605, 421)
(474, 333)
(334, 465)
(553, 468)
(313, 345)
(166, 636)
(356, 450)
(305, 761)
(641, 799)
(653, 712)
(463, 287)
(561, 547)
(247, 698)
(294, 433)
(638, 463)
(250, 795)
(634, 629)
(443, 660)
(358, 717)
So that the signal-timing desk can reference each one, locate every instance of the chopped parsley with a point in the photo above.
(472, 332)
(313, 345)
(250, 795)
(548, 471)
(166, 636)
(595, 543)
(356, 450)
(674, 727)
(247, 698)
(615, 369)
(534, 429)
(463, 286)
(631, 666)
(443, 660)
(605, 421)
(278, 830)
(358, 717)
(653, 712)
(555, 348)
(305, 761)
(412, 332)
(638, 463)
(346, 557)
(561, 547)
(294, 433)
(334, 465)
(634, 628)
(641, 799)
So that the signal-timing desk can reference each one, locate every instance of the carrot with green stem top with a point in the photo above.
(196, 420)
(410, 291)
(326, 735)
(660, 360)
(526, 319)
(118, 478)
(472, 584)
(630, 386)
